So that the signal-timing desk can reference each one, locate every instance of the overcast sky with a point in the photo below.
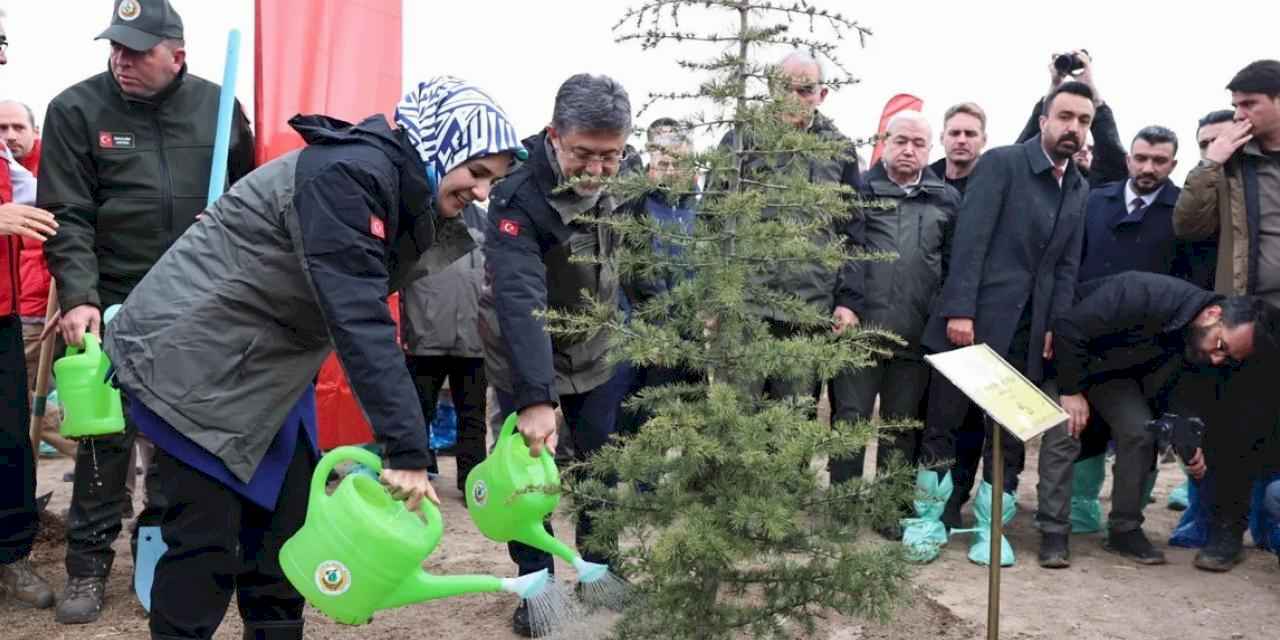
(1155, 63)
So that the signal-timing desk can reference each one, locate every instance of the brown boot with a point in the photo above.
(25, 585)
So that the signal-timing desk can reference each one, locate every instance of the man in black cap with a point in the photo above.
(125, 171)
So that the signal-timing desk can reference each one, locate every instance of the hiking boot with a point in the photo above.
(26, 586)
(82, 600)
(520, 623)
(1133, 545)
(891, 532)
(1055, 552)
(1222, 552)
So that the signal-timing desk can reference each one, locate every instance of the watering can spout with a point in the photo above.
(422, 586)
(536, 536)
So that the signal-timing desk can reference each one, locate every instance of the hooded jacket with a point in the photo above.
(227, 330)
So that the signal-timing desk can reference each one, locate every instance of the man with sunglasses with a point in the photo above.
(1122, 346)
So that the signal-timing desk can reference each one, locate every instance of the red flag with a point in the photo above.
(900, 102)
(340, 58)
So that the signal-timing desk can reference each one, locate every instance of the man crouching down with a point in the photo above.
(218, 346)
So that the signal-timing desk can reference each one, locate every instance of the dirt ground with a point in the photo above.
(1100, 597)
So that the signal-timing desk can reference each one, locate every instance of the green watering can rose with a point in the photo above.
(361, 551)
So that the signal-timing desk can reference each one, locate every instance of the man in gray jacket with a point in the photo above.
(439, 315)
(896, 295)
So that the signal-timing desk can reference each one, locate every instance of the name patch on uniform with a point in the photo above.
(509, 227)
(377, 227)
(112, 140)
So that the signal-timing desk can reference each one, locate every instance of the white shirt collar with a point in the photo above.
(1130, 194)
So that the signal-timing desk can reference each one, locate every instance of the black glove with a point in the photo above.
(1184, 433)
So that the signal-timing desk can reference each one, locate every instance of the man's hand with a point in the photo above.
(960, 331)
(1236, 135)
(410, 485)
(77, 321)
(843, 318)
(1077, 408)
(1196, 466)
(28, 222)
(537, 424)
(1048, 346)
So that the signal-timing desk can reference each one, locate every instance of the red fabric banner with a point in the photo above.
(900, 102)
(341, 58)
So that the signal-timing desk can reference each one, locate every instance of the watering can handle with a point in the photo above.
(509, 431)
(331, 459)
(91, 346)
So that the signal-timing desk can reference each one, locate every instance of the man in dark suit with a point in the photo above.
(1015, 259)
(1128, 227)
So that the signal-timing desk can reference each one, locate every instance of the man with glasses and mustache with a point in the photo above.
(533, 262)
(1123, 348)
(1014, 262)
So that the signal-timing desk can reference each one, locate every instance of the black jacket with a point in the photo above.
(1127, 325)
(125, 177)
(529, 267)
(1016, 249)
(1108, 151)
(1115, 241)
(898, 295)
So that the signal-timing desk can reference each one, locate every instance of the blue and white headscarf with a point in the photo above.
(450, 121)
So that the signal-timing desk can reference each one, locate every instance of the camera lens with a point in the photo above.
(1066, 63)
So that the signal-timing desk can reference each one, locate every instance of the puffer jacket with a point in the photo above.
(33, 268)
(1225, 196)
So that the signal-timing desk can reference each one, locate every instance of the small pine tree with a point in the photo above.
(727, 528)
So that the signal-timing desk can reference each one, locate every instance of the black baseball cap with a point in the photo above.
(142, 24)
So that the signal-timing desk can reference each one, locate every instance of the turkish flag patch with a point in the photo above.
(377, 227)
(509, 227)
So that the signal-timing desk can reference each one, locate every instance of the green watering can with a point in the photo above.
(506, 503)
(90, 405)
(361, 551)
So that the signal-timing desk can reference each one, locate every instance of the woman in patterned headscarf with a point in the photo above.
(218, 345)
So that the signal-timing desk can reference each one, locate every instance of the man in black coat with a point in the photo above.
(1122, 345)
(1014, 263)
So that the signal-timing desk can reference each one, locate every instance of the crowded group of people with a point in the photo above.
(1076, 258)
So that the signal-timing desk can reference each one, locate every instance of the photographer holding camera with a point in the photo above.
(1103, 161)
(1124, 344)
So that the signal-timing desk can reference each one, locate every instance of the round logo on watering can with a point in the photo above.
(480, 493)
(333, 578)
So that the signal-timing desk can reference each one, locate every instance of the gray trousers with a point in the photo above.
(1124, 405)
(900, 383)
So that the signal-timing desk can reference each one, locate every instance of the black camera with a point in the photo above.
(1183, 433)
(1069, 64)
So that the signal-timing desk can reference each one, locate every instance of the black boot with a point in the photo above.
(1223, 551)
(1055, 551)
(273, 630)
(951, 517)
(81, 601)
(1133, 545)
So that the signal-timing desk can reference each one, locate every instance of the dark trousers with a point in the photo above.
(98, 498)
(637, 379)
(18, 517)
(780, 388)
(948, 407)
(467, 386)
(900, 383)
(221, 543)
(591, 418)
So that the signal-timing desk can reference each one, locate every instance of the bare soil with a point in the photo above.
(1100, 597)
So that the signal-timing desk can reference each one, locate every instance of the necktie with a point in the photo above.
(1137, 207)
(1059, 172)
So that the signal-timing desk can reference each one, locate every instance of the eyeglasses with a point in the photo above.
(586, 156)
